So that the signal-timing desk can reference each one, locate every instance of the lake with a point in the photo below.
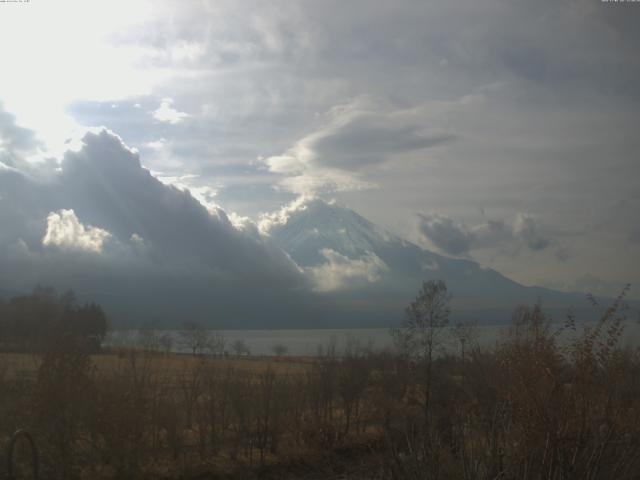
(308, 342)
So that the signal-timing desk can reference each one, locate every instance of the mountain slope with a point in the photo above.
(319, 227)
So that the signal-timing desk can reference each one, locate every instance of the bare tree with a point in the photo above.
(147, 338)
(422, 330)
(216, 343)
(465, 335)
(194, 337)
(166, 342)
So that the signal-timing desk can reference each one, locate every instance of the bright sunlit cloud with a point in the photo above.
(167, 114)
(64, 230)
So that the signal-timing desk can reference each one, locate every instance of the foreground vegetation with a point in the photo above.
(531, 407)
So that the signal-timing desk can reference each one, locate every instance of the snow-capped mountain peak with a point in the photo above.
(316, 232)
(319, 225)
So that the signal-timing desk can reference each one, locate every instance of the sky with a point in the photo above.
(505, 132)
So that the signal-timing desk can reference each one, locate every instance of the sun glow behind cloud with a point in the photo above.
(389, 109)
(48, 64)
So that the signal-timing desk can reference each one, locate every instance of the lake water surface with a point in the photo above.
(308, 342)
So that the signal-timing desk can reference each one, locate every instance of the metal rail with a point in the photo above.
(11, 448)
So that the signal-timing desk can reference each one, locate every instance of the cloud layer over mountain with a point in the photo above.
(103, 225)
(514, 120)
(102, 219)
(457, 239)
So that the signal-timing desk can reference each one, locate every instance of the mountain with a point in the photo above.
(348, 273)
(323, 236)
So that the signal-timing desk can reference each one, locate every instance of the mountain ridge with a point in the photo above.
(318, 226)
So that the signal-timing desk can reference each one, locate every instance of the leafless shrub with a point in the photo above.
(535, 406)
(63, 399)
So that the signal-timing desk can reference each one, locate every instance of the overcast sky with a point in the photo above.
(501, 131)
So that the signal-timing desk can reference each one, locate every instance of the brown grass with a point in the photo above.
(528, 409)
(25, 365)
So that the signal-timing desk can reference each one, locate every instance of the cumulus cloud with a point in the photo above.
(102, 202)
(14, 138)
(279, 217)
(456, 238)
(491, 233)
(167, 114)
(65, 230)
(339, 271)
(16, 142)
(106, 227)
(525, 228)
(258, 79)
(447, 235)
(205, 194)
(106, 184)
(516, 117)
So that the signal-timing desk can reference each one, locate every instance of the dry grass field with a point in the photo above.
(26, 364)
(512, 411)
